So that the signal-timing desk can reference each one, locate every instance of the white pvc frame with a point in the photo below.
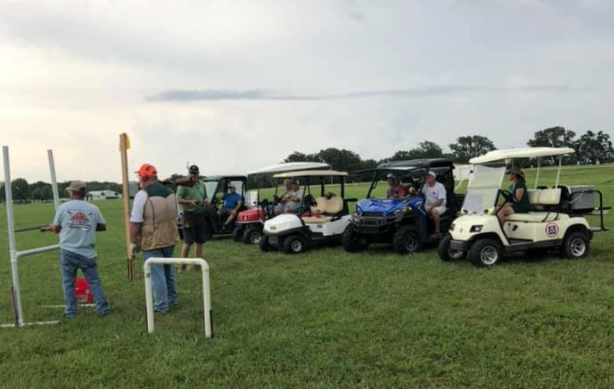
(14, 253)
(206, 288)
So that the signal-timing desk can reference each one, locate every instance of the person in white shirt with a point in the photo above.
(435, 194)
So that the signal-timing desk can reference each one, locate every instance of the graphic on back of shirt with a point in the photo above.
(78, 220)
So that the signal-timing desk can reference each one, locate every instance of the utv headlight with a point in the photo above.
(476, 229)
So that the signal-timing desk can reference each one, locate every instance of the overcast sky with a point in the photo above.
(237, 85)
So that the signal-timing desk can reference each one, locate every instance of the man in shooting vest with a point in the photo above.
(153, 229)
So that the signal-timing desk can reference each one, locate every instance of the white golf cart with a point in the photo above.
(320, 220)
(556, 219)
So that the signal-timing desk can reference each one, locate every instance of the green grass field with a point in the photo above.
(325, 319)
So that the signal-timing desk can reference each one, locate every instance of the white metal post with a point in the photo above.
(539, 165)
(54, 181)
(558, 174)
(10, 218)
(206, 288)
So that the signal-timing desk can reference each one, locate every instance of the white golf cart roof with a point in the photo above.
(289, 167)
(311, 173)
(528, 152)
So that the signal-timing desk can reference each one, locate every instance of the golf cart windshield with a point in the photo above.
(484, 185)
(211, 187)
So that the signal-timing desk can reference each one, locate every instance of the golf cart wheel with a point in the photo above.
(576, 245)
(237, 233)
(294, 244)
(352, 241)
(445, 253)
(485, 252)
(264, 244)
(253, 235)
(407, 240)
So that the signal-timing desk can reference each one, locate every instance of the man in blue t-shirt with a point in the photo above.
(77, 222)
(232, 203)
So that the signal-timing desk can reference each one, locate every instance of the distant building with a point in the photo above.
(103, 195)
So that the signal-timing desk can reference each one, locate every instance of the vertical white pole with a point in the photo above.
(149, 298)
(206, 299)
(10, 217)
(558, 174)
(54, 181)
(539, 164)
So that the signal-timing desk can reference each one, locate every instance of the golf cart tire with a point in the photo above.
(407, 240)
(576, 245)
(485, 252)
(352, 241)
(444, 250)
(294, 244)
(249, 237)
(264, 244)
(237, 234)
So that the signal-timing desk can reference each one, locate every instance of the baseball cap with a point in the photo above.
(232, 185)
(390, 175)
(194, 169)
(76, 186)
(431, 173)
(148, 170)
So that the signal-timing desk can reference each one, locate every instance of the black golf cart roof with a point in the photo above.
(231, 178)
(415, 164)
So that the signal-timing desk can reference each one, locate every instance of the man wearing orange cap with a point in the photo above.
(153, 229)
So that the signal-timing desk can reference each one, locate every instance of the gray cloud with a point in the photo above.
(179, 95)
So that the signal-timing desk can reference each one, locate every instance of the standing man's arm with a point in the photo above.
(56, 226)
(136, 218)
(101, 224)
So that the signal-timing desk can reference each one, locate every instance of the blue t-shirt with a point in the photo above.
(78, 220)
(231, 200)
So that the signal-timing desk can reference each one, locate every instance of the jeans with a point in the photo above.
(162, 279)
(71, 262)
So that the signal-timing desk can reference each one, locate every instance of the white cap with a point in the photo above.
(431, 173)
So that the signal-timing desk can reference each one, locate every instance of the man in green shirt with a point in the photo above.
(192, 203)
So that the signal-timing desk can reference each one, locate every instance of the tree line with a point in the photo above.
(590, 148)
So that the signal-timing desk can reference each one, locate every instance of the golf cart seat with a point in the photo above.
(325, 207)
(539, 198)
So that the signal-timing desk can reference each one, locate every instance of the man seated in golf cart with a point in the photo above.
(435, 199)
(281, 207)
(232, 202)
(293, 198)
(518, 189)
(395, 191)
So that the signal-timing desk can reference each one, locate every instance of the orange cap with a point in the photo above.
(148, 170)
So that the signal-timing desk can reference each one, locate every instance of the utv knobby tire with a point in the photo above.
(352, 241)
(576, 245)
(264, 244)
(253, 235)
(445, 254)
(237, 233)
(407, 240)
(485, 252)
(294, 244)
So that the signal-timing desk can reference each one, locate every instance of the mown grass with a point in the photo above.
(325, 319)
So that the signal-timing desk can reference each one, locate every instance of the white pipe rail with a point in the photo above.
(206, 288)
(14, 254)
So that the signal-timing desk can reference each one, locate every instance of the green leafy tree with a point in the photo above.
(467, 147)
(42, 193)
(297, 156)
(426, 149)
(553, 137)
(594, 147)
(21, 189)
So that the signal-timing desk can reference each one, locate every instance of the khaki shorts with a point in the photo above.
(440, 210)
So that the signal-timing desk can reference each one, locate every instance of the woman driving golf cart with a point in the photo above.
(518, 189)
(394, 189)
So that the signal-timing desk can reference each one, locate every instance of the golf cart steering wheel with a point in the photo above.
(507, 196)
